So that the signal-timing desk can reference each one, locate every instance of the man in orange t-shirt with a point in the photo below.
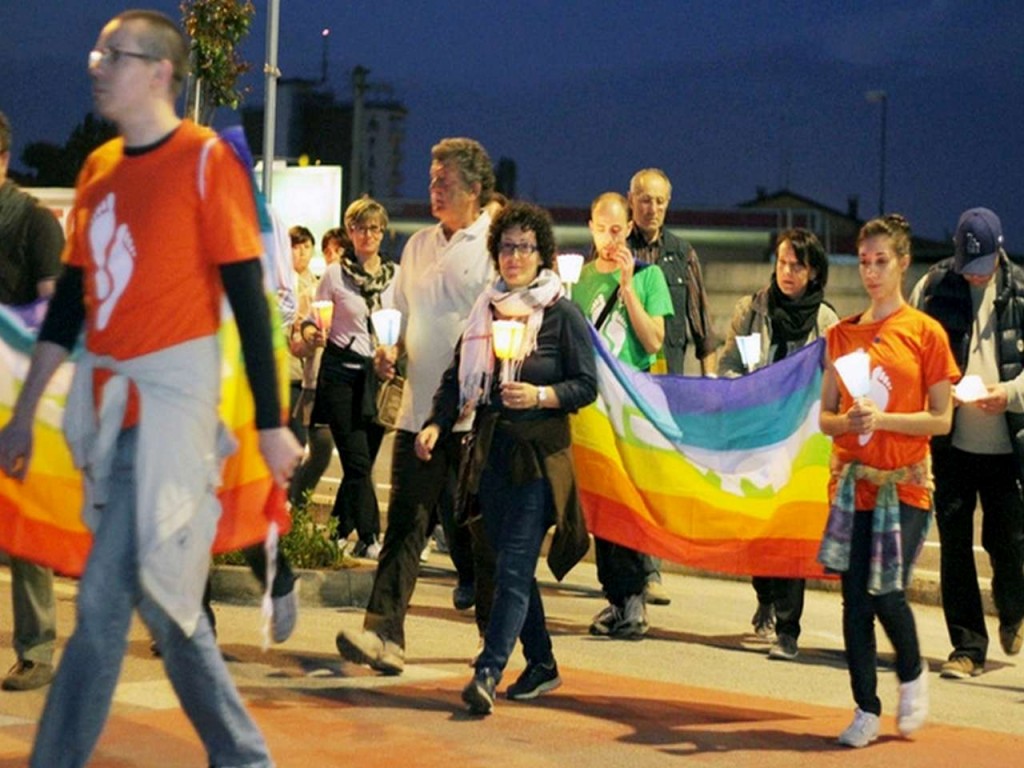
(164, 225)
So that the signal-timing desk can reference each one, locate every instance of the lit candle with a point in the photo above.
(324, 314)
(318, 265)
(508, 337)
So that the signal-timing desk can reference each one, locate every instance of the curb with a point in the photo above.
(350, 587)
(344, 587)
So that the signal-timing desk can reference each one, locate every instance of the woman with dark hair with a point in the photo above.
(787, 314)
(520, 462)
(880, 492)
(356, 285)
(334, 243)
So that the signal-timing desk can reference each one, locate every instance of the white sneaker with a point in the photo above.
(285, 613)
(913, 709)
(862, 731)
(373, 550)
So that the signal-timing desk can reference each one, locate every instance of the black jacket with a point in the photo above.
(691, 318)
(946, 296)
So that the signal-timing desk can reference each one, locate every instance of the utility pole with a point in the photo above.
(355, 171)
(271, 73)
(881, 97)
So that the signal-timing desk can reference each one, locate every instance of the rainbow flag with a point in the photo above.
(40, 518)
(726, 475)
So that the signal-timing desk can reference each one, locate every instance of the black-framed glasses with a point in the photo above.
(112, 56)
(513, 249)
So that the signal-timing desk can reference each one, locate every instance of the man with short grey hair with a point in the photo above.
(650, 193)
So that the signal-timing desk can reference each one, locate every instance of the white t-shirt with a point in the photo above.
(439, 282)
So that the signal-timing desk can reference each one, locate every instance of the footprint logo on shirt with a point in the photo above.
(879, 389)
(113, 252)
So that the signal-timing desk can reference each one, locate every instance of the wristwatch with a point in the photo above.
(542, 395)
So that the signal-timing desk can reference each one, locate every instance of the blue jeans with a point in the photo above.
(79, 701)
(892, 609)
(515, 517)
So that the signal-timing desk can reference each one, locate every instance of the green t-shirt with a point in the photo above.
(591, 294)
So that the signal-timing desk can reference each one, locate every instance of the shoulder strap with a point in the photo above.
(607, 309)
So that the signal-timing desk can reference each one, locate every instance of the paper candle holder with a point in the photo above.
(387, 323)
(750, 350)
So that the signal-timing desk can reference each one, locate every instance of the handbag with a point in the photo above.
(389, 401)
(473, 451)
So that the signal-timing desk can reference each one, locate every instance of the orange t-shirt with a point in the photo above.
(150, 243)
(909, 352)
(150, 247)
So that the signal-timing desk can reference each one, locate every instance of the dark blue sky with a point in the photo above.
(725, 96)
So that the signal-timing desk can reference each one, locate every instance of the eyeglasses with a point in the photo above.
(522, 249)
(112, 56)
(374, 230)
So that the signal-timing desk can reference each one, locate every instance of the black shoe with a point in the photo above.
(464, 597)
(535, 680)
(1011, 637)
(479, 693)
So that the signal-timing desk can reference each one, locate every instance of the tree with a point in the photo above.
(58, 166)
(216, 27)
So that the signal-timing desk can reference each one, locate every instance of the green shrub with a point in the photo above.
(308, 544)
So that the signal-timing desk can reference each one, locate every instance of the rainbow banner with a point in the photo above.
(40, 518)
(726, 475)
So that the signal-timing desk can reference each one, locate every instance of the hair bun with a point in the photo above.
(898, 221)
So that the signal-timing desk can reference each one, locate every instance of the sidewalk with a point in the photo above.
(699, 687)
(351, 586)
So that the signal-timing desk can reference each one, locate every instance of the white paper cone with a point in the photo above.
(387, 323)
(569, 266)
(750, 349)
(855, 371)
(970, 389)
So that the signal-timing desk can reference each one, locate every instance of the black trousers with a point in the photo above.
(860, 609)
(961, 479)
(787, 596)
(358, 439)
(621, 570)
(458, 537)
(416, 487)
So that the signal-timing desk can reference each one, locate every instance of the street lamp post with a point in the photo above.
(880, 97)
(271, 73)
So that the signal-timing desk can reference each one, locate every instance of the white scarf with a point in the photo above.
(476, 366)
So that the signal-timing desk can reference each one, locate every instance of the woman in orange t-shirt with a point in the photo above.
(880, 491)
